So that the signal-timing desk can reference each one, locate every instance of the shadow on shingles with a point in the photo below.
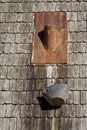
(45, 105)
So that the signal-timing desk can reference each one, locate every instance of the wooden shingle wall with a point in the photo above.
(22, 106)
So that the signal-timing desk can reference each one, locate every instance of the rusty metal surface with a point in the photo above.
(50, 49)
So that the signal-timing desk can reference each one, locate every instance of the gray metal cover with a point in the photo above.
(56, 94)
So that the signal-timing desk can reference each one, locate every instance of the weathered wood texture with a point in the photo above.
(21, 104)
